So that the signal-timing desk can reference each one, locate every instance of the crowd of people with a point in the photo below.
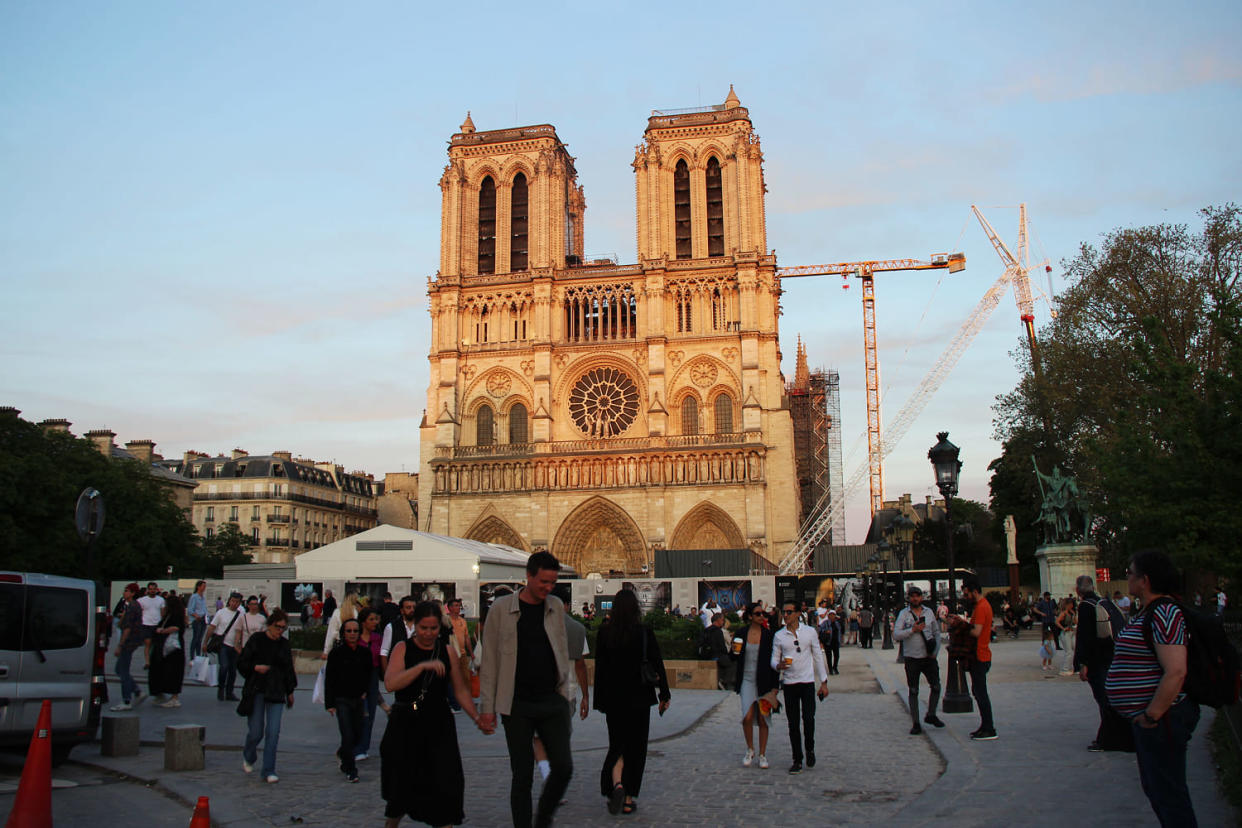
(525, 671)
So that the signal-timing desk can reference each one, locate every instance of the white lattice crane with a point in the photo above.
(1020, 268)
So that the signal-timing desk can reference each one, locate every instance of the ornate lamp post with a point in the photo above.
(943, 457)
(903, 535)
(886, 550)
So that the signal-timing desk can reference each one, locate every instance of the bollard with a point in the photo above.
(120, 735)
(183, 747)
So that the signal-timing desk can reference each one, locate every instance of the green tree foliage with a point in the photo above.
(226, 547)
(1140, 389)
(974, 539)
(41, 476)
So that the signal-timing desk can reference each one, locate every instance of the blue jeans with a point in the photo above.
(196, 640)
(263, 726)
(1161, 754)
(227, 676)
(128, 686)
(368, 714)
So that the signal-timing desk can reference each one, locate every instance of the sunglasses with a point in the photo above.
(279, 626)
(790, 612)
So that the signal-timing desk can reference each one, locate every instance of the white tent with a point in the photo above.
(392, 553)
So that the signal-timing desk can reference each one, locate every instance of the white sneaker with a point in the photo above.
(273, 778)
(168, 703)
(117, 708)
(763, 762)
(247, 767)
(360, 757)
(750, 757)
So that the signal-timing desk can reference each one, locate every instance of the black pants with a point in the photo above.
(349, 723)
(547, 718)
(800, 701)
(1114, 732)
(833, 654)
(864, 636)
(628, 729)
(979, 689)
(916, 667)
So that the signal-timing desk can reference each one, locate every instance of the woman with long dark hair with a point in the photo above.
(370, 639)
(168, 655)
(420, 770)
(752, 648)
(346, 682)
(625, 699)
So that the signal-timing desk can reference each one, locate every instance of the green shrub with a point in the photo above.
(308, 638)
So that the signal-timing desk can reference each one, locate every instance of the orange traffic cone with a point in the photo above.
(202, 814)
(33, 806)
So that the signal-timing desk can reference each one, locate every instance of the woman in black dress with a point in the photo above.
(420, 770)
(625, 700)
(168, 655)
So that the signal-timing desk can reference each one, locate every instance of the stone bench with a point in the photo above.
(183, 747)
(120, 735)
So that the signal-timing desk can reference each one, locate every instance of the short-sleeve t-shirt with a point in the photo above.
(536, 663)
(982, 614)
(1135, 672)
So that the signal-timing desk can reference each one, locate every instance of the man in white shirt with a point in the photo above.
(797, 655)
(1221, 601)
(152, 610)
(224, 624)
(399, 630)
(1123, 603)
(707, 611)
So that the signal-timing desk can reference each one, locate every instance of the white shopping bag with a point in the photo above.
(317, 694)
(203, 671)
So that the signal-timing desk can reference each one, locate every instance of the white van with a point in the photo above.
(53, 639)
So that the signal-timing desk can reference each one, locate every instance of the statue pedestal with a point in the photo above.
(1060, 564)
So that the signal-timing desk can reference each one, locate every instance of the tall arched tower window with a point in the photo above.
(724, 414)
(517, 424)
(681, 208)
(487, 226)
(519, 220)
(715, 209)
(689, 416)
(485, 426)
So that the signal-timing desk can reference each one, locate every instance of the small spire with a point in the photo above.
(732, 101)
(467, 126)
(802, 377)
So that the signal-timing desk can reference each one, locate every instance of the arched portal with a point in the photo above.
(707, 526)
(492, 529)
(599, 536)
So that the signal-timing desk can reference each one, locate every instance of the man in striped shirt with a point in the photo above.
(1145, 685)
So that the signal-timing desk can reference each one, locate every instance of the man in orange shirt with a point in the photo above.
(981, 628)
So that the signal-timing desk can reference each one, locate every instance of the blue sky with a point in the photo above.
(217, 220)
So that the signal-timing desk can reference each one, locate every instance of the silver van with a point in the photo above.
(53, 639)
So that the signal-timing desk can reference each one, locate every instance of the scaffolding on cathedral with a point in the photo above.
(815, 406)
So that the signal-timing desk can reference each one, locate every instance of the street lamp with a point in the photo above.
(873, 566)
(903, 535)
(886, 551)
(943, 457)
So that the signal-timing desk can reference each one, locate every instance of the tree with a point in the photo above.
(41, 476)
(974, 541)
(225, 548)
(1139, 385)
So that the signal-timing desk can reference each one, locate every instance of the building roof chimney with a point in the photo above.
(143, 450)
(239, 453)
(55, 425)
(102, 438)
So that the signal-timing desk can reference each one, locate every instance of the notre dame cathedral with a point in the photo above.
(605, 411)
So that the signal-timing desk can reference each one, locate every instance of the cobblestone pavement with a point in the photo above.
(871, 772)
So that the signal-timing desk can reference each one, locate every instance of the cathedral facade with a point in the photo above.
(604, 411)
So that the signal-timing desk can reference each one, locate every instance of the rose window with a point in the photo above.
(603, 403)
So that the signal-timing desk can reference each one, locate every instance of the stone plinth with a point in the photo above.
(119, 736)
(1060, 564)
(183, 747)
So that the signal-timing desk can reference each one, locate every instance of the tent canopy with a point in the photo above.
(391, 552)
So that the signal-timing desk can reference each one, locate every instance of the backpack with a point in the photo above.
(1109, 623)
(705, 647)
(1212, 663)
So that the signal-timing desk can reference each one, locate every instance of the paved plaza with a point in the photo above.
(870, 771)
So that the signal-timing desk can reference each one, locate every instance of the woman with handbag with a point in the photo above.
(757, 682)
(266, 662)
(629, 673)
(168, 655)
(420, 771)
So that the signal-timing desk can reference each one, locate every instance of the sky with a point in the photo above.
(217, 221)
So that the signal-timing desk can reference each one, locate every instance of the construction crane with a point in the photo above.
(827, 510)
(866, 271)
(1020, 268)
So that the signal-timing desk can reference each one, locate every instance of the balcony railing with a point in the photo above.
(277, 541)
(615, 446)
(278, 518)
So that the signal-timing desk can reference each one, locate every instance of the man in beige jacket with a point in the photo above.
(525, 678)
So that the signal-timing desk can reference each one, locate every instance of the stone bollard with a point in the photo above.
(120, 735)
(183, 747)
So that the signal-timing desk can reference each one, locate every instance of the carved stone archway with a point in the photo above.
(599, 536)
(492, 529)
(707, 526)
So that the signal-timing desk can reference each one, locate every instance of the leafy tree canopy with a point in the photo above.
(1139, 389)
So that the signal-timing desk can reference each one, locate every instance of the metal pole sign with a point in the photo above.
(89, 514)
